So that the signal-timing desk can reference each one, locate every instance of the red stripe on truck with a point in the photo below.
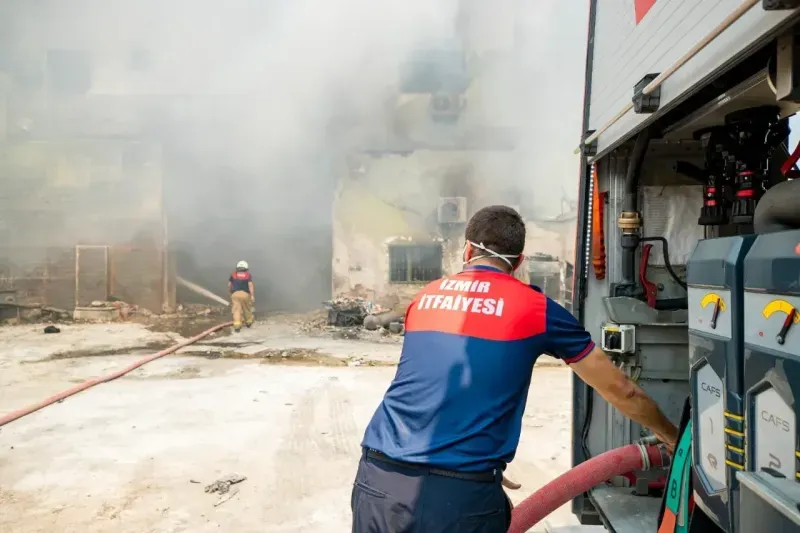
(641, 7)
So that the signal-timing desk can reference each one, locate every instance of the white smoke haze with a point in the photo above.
(254, 104)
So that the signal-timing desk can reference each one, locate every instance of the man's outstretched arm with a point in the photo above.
(570, 342)
(597, 371)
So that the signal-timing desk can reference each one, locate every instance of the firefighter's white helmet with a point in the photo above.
(242, 265)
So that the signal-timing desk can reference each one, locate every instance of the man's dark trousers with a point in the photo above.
(389, 497)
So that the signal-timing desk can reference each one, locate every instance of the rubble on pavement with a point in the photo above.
(223, 485)
(196, 310)
(352, 318)
(111, 310)
(345, 311)
(14, 313)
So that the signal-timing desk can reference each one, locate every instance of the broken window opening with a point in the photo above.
(415, 263)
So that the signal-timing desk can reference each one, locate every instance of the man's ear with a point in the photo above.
(468, 251)
(520, 260)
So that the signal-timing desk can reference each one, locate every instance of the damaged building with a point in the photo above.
(399, 223)
(450, 147)
(137, 149)
(126, 160)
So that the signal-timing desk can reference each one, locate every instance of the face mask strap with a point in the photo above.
(491, 253)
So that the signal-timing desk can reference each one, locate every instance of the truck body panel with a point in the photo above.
(627, 40)
(624, 52)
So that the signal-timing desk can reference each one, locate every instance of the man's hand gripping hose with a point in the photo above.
(583, 477)
(15, 415)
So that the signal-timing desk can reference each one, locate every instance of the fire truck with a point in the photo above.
(688, 258)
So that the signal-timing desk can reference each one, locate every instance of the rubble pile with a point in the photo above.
(314, 322)
(347, 312)
(12, 314)
(108, 310)
(111, 310)
(352, 318)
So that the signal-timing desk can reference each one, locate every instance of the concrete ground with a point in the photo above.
(284, 409)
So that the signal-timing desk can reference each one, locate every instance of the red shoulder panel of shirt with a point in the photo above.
(245, 276)
(478, 303)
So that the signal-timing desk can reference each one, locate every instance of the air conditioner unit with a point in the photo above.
(446, 107)
(453, 210)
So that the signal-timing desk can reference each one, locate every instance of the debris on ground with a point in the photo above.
(396, 327)
(302, 356)
(314, 321)
(199, 310)
(365, 361)
(113, 309)
(223, 484)
(345, 311)
(52, 329)
(385, 320)
(353, 318)
(346, 333)
(18, 313)
(106, 311)
(226, 497)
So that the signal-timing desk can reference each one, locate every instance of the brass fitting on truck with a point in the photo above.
(629, 222)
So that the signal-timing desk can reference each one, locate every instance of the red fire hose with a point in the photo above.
(583, 477)
(14, 415)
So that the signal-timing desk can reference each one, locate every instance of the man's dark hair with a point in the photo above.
(499, 228)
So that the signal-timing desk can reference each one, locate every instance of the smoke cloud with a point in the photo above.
(252, 105)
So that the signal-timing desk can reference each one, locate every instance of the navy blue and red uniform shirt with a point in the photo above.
(240, 280)
(461, 386)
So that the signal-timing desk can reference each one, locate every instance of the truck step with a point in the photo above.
(574, 529)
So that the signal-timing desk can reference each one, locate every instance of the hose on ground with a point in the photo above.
(582, 478)
(16, 415)
(527, 514)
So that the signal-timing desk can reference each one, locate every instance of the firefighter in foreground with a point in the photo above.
(436, 447)
(243, 295)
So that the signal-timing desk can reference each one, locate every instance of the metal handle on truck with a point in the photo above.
(743, 8)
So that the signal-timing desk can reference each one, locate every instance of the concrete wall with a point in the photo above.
(85, 167)
(381, 201)
(55, 195)
(76, 168)
(188, 76)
